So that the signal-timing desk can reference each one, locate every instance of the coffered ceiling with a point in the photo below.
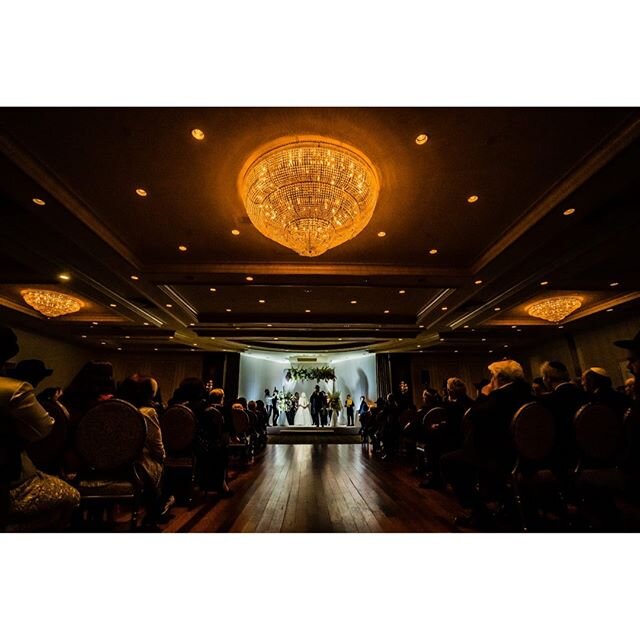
(527, 167)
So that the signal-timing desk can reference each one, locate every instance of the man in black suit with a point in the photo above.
(563, 399)
(274, 406)
(315, 405)
(488, 454)
(599, 390)
(324, 408)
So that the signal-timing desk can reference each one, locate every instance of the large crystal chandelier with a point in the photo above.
(311, 194)
(554, 309)
(51, 303)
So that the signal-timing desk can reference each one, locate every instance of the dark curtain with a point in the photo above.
(383, 374)
(231, 375)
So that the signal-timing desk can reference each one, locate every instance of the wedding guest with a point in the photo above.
(275, 411)
(363, 408)
(629, 387)
(538, 387)
(31, 371)
(315, 405)
(599, 390)
(349, 405)
(92, 384)
(268, 403)
(29, 499)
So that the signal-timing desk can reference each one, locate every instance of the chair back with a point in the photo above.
(533, 432)
(467, 427)
(253, 420)
(240, 421)
(47, 452)
(178, 425)
(598, 433)
(435, 416)
(111, 435)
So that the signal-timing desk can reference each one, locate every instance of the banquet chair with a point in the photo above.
(240, 443)
(434, 421)
(598, 477)
(533, 436)
(48, 452)
(109, 441)
(178, 425)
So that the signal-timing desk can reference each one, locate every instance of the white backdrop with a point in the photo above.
(354, 375)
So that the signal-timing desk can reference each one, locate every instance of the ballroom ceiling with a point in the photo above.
(460, 265)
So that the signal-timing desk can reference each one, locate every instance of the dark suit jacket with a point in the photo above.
(316, 402)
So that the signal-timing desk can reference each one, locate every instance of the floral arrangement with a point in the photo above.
(288, 401)
(316, 373)
(334, 401)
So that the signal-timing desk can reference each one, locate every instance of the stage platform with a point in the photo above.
(339, 430)
(310, 435)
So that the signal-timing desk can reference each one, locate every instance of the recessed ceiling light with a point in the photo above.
(102, 342)
(399, 339)
(484, 339)
(561, 326)
(354, 302)
(155, 348)
(472, 199)
(146, 324)
(195, 344)
(198, 134)
(496, 308)
(339, 339)
(211, 338)
(39, 201)
(386, 310)
(275, 338)
(113, 305)
(182, 247)
(213, 289)
(478, 282)
(269, 325)
(194, 349)
(402, 291)
(64, 276)
(614, 284)
(119, 348)
(455, 351)
(568, 212)
(307, 310)
(141, 192)
(170, 337)
(83, 336)
(519, 330)
(433, 251)
(168, 305)
(421, 138)
(382, 234)
(544, 283)
(235, 232)
(192, 324)
(441, 339)
(228, 310)
(609, 310)
(261, 301)
(135, 278)
(444, 308)
(127, 337)
(94, 322)
(506, 346)
(490, 350)
(513, 326)
(466, 326)
(249, 278)
(421, 326)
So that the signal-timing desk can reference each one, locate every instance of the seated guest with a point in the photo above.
(630, 388)
(31, 371)
(93, 383)
(51, 394)
(363, 408)
(456, 406)
(564, 400)
(139, 391)
(538, 387)
(488, 454)
(599, 390)
(391, 429)
(29, 499)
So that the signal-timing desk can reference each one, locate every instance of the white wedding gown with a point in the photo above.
(303, 415)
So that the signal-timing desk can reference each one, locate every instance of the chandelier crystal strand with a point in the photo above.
(51, 303)
(310, 196)
(554, 309)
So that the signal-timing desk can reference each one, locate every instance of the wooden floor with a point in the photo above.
(320, 488)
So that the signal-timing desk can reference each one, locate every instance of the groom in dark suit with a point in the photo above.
(274, 404)
(315, 405)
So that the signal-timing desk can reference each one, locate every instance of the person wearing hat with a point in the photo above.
(31, 371)
(598, 388)
(633, 362)
(30, 500)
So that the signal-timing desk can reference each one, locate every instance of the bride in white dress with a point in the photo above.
(303, 415)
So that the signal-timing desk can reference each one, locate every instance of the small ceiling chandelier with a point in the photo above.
(554, 309)
(51, 303)
(310, 194)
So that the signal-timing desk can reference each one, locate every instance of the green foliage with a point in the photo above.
(334, 400)
(316, 373)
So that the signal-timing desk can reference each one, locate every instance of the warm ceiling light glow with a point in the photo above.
(249, 278)
(568, 212)
(483, 340)
(119, 348)
(422, 138)
(51, 303)
(466, 326)
(261, 301)
(127, 337)
(64, 276)
(307, 310)
(444, 308)
(141, 192)
(382, 234)
(182, 247)
(168, 305)
(275, 338)
(198, 134)
(614, 284)
(309, 195)
(228, 310)
(554, 309)
(433, 251)
(513, 326)
(609, 310)
(441, 339)
(472, 199)
(213, 289)
(38, 201)
(496, 308)
(235, 232)
(544, 283)
(83, 336)
(146, 324)
(135, 278)
(102, 342)
(402, 291)
(354, 302)
(113, 305)
(269, 325)
(155, 348)
(386, 310)
(478, 282)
